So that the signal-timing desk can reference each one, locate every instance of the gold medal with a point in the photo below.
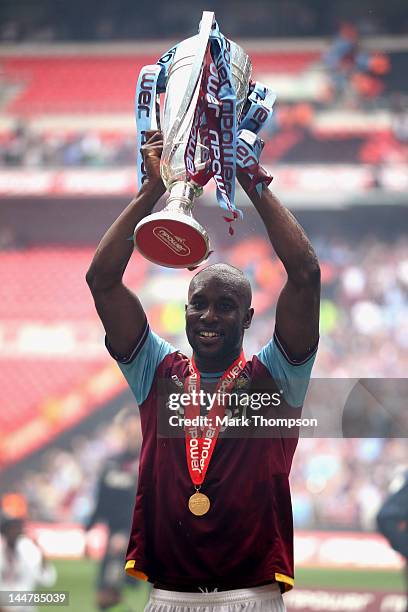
(199, 504)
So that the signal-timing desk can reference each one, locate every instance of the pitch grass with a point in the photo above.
(79, 577)
(372, 580)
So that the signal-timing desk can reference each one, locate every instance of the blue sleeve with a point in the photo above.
(139, 368)
(292, 376)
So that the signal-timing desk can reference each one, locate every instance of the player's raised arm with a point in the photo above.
(120, 311)
(297, 311)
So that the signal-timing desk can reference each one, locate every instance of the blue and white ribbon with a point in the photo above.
(249, 146)
(260, 111)
(221, 54)
(151, 82)
(249, 149)
(146, 112)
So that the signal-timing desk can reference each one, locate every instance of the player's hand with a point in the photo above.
(152, 151)
(243, 179)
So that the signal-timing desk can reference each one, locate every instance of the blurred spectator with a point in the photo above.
(356, 75)
(392, 521)
(114, 501)
(24, 147)
(400, 118)
(22, 563)
(340, 484)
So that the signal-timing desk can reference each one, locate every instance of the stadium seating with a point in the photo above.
(65, 100)
(27, 383)
(50, 340)
(101, 84)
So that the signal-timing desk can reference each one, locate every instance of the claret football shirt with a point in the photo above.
(246, 538)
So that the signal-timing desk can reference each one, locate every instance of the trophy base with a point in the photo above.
(172, 240)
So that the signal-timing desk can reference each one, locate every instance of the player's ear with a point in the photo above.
(248, 318)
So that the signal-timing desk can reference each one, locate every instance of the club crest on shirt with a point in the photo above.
(241, 383)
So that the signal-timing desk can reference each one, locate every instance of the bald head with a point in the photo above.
(217, 315)
(232, 277)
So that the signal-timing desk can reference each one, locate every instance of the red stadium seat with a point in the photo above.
(104, 83)
(44, 291)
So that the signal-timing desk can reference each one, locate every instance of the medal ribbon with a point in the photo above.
(200, 444)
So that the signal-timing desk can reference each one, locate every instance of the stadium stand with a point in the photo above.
(51, 344)
(100, 84)
(77, 109)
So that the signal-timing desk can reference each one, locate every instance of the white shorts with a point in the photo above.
(266, 598)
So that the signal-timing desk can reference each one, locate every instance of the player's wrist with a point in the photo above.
(153, 189)
(146, 199)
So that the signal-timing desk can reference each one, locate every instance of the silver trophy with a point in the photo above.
(172, 237)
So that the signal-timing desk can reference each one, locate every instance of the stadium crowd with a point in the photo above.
(24, 147)
(291, 138)
(363, 323)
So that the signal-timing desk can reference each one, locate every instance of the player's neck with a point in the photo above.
(215, 365)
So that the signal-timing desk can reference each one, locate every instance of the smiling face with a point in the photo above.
(217, 314)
